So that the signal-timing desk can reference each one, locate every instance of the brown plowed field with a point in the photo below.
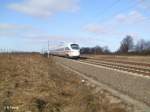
(138, 59)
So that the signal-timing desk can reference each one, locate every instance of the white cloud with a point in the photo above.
(44, 38)
(131, 17)
(97, 28)
(27, 33)
(44, 8)
(6, 26)
(119, 24)
(145, 4)
(18, 30)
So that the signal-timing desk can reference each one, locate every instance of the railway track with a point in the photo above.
(134, 85)
(120, 61)
(143, 69)
(138, 105)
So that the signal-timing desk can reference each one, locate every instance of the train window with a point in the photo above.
(75, 46)
(67, 48)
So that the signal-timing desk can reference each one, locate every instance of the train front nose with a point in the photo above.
(74, 53)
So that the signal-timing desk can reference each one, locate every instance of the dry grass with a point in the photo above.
(32, 83)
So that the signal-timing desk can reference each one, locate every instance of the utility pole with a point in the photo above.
(48, 49)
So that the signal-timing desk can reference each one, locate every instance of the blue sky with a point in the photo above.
(29, 24)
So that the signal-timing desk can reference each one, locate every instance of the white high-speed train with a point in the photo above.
(70, 50)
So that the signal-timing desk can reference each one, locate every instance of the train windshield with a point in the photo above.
(75, 46)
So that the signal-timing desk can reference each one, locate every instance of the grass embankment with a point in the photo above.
(32, 83)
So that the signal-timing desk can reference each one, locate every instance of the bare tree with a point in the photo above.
(85, 50)
(140, 46)
(147, 46)
(126, 44)
(95, 50)
(106, 50)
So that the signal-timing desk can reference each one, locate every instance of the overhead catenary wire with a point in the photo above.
(106, 11)
(111, 6)
(108, 8)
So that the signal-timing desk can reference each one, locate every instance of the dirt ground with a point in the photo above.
(33, 83)
(139, 59)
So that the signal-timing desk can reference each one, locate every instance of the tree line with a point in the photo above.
(95, 50)
(127, 46)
